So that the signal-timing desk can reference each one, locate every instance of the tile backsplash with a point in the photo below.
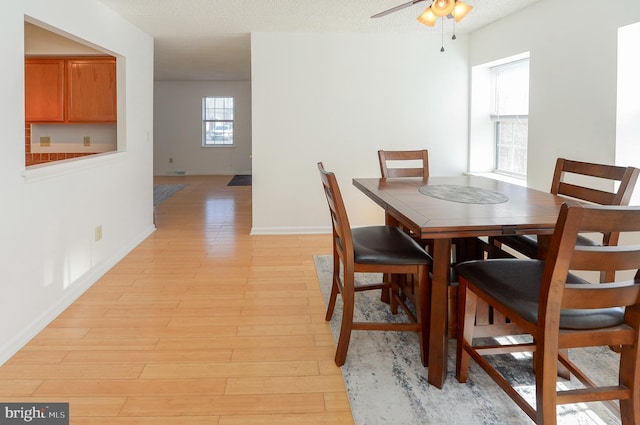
(53, 142)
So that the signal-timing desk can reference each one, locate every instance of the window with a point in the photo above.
(217, 121)
(510, 116)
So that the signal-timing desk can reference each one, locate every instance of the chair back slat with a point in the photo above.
(623, 219)
(414, 156)
(405, 172)
(589, 194)
(601, 295)
(592, 169)
(610, 257)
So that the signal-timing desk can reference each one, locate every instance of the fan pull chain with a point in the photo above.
(453, 37)
(442, 37)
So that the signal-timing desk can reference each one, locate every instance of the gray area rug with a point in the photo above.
(387, 384)
(163, 191)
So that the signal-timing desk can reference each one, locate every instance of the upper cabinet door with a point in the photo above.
(44, 90)
(91, 90)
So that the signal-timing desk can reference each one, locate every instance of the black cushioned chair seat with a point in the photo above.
(528, 244)
(386, 245)
(515, 283)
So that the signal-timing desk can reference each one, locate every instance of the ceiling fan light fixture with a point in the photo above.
(460, 10)
(427, 17)
(442, 8)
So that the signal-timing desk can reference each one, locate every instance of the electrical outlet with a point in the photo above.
(86, 140)
(45, 141)
(98, 233)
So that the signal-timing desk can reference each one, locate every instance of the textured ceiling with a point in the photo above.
(209, 39)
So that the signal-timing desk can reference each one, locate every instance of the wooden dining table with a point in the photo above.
(466, 206)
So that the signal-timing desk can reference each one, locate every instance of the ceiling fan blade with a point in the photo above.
(395, 9)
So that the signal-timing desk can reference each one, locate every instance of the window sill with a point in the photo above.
(36, 173)
(501, 177)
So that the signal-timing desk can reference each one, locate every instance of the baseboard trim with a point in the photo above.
(290, 230)
(82, 284)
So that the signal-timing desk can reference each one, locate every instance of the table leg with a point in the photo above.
(385, 295)
(438, 338)
(543, 245)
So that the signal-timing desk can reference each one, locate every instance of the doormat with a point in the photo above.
(240, 180)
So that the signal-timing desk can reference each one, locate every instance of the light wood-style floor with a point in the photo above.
(200, 324)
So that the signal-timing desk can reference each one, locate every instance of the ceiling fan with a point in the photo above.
(452, 9)
(455, 9)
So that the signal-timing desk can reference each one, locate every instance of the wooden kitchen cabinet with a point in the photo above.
(70, 90)
(44, 90)
(91, 90)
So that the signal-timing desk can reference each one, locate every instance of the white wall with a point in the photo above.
(628, 112)
(338, 98)
(178, 128)
(573, 81)
(48, 255)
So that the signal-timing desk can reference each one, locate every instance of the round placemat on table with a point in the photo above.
(463, 194)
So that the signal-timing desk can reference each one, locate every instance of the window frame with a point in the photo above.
(227, 123)
(497, 118)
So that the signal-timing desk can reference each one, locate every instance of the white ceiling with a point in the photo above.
(209, 39)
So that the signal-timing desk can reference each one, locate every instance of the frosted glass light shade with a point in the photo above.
(442, 7)
(461, 10)
(428, 17)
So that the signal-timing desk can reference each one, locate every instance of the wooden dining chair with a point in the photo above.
(415, 163)
(411, 163)
(560, 310)
(583, 175)
(418, 160)
(373, 249)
